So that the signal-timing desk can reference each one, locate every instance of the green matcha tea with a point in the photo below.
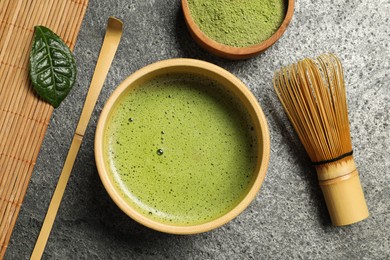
(180, 149)
(238, 23)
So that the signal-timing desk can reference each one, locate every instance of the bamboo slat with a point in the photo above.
(23, 116)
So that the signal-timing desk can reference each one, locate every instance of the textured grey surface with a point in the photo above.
(288, 219)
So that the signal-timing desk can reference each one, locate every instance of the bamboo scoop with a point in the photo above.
(107, 53)
(313, 95)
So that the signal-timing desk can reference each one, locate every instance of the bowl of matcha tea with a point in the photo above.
(237, 29)
(182, 146)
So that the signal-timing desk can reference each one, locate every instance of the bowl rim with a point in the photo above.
(262, 164)
(231, 52)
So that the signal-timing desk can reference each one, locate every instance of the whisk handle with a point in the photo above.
(343, 194)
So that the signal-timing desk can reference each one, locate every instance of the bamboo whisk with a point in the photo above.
(313, 95)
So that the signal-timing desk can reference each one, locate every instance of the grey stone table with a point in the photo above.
(288, 218)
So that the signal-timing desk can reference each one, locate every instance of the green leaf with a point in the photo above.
(52, 66)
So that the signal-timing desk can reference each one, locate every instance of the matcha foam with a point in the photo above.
(180, 150)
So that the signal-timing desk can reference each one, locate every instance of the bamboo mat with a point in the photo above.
(23, 116)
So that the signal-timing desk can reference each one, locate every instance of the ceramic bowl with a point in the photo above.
(229, 52)
(202, 69)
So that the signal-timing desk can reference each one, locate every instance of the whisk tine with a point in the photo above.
(312, 92)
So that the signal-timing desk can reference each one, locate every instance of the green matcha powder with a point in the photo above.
(238, 23)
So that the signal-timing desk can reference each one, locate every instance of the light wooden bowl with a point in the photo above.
(202, 69)
(229, 52)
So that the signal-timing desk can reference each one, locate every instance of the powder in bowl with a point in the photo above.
(238, 23)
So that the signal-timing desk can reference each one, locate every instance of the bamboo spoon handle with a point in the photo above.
(107, 53)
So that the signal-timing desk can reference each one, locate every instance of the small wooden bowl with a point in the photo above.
(229, 52)
(202, 69)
